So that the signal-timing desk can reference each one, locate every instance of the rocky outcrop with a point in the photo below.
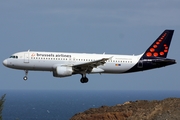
(168, 109)
(2, 100)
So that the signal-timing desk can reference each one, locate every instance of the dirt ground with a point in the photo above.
(167, 109)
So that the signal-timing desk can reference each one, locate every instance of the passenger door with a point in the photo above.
(26, 57)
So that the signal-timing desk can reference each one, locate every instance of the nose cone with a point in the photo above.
(5, 62)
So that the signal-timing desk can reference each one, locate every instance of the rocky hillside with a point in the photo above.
(168, 109)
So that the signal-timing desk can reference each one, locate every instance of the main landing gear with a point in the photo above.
(25, 77)
(84, 79)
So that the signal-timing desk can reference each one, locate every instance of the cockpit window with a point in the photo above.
(14, 56)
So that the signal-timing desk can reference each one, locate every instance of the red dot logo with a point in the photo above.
(155, 46)
(148, 54)
(157, 43)
(152, 49)
(161, 53)
(155, 54)
(165, 51)
(33, 55)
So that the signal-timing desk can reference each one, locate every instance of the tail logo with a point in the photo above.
(152, 50)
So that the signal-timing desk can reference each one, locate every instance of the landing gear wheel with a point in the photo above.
(84, 80)
(81, 80)
(25, 77)
(26, 73)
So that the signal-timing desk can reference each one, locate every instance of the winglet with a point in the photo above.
(161, 45)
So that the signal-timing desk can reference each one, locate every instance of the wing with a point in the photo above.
(88, 66)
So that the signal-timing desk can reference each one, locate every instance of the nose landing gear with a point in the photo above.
(25, 77)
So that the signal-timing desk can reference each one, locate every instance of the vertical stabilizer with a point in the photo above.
(161, 45)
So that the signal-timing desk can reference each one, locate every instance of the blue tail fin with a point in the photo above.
(161, 45)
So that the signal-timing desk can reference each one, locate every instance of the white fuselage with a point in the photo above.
(45, 61)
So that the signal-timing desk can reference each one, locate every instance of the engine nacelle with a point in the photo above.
(62, 71)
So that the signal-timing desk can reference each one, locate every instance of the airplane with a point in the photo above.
(63, 64)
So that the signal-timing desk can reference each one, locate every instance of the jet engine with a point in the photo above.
(62, 71)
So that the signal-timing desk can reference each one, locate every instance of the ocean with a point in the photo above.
(63, 104)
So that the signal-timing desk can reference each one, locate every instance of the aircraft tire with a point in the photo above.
(84, 80)
(25, 78)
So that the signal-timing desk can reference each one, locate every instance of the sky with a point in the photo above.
(88, 26)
